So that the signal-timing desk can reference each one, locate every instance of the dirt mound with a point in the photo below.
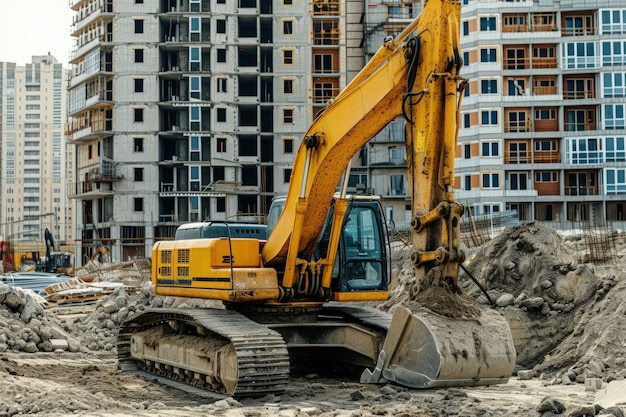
(566, 316)
(537, 282)
(596, 348)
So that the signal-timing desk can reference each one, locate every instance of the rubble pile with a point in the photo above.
(136, 270)
(98, 330)
(24, 326)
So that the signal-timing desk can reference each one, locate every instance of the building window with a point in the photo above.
(219, 173)
(490, 149)
(545, 176)
(221, 85)
(323, 63)
(614, 116)
(288, 116)
(615, 181)
(195, 87)
(467, 151)
(221, 55)
(491, 208)
(287, 86)
(323, 92)
(138, 204)
(466, 58)
(138, 114)
(467, 182)
(582, 151)
(465, 28)
(287, 145)
(138, 144)
(489, 117)
(138, 1)
(467, 121)
(287, 27)
(518, 181)
(615, 149)
(491, 180)
(545, 114)
(221, 145)
(613, 21)
(516, 86)
(138, 25)
(580, 55)
(288, 56)
(138, 85)
(397, 184)
(220, 26)
(195, 119)
(286, 175)
(489, 86)
(613, 52)
(518, 153)
(614, 84)
(138, 54)
(488, 55)
(221, 114)
(138, 174)
(194, 148)
(487, 24)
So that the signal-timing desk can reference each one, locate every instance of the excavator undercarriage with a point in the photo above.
(226, 352)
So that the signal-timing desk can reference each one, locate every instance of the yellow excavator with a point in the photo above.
(298, 303)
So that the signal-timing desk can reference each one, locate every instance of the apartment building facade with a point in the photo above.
(184, 110)
(34, 166)
(543, 117)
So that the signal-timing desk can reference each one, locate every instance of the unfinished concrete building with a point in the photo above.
(184, 110)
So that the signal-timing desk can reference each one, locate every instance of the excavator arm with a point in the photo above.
(415, 75)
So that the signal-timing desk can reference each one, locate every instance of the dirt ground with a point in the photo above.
(568, 319)
(82, 384)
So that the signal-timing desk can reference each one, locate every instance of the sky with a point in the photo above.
(35, 27)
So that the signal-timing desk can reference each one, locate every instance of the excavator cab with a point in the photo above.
(362, 262)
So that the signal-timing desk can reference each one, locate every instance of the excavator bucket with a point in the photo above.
(431, 351)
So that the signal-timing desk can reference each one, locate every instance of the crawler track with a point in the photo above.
(248, 360)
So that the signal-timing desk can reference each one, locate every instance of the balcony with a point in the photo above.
(85, 129)
(547, 157)
(528, 63)
(87, 189)
(107, 171)
(581, 191)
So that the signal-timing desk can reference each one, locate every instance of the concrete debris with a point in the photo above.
(24, 326)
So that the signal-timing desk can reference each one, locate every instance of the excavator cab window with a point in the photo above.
(363, 250)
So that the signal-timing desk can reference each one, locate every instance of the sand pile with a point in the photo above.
(24, 326)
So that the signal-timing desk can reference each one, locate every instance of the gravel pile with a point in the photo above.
(24, 326)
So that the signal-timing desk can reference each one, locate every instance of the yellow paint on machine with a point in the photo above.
(213, 268)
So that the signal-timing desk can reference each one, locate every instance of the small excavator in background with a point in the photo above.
(294, 305)
(55, 262)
